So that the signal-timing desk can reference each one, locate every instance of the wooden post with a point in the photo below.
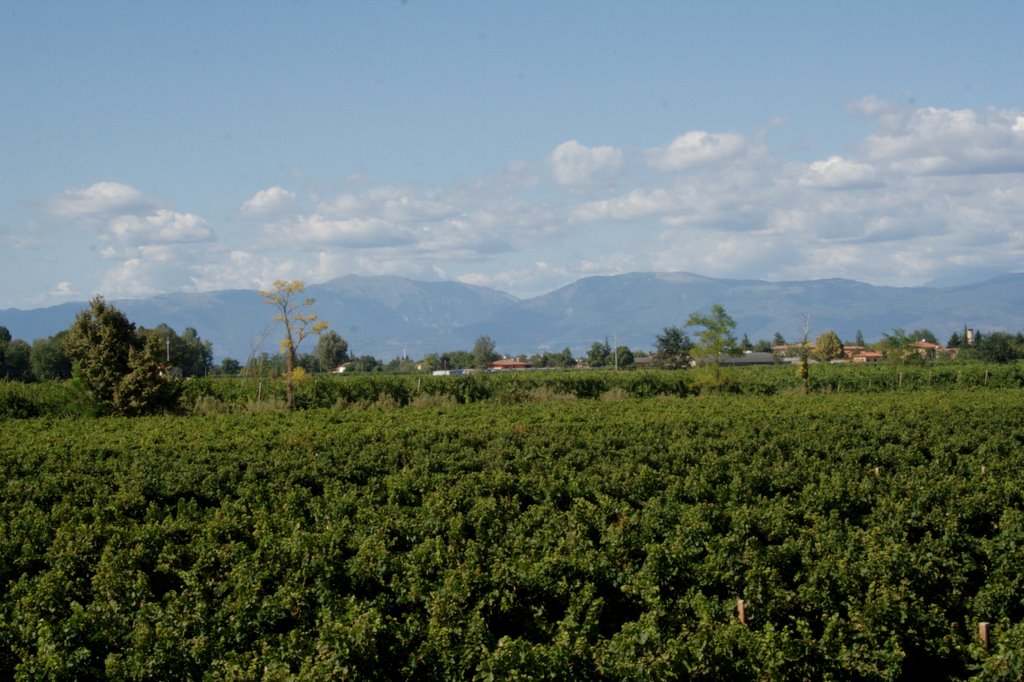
(983, 633)
(741, 611)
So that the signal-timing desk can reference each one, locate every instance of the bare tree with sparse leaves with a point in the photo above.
(298, 324)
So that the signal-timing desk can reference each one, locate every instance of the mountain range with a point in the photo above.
(392, 317)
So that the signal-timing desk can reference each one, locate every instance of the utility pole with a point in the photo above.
(615, 340)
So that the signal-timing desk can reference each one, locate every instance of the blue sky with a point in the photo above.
(155, 147)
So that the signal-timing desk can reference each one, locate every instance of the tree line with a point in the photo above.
(127, 369)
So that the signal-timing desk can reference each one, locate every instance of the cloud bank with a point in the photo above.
(929, 193)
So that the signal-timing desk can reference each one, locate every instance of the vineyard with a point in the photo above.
(839, 535)
(233, 394)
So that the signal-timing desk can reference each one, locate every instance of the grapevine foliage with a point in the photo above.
(866, 534)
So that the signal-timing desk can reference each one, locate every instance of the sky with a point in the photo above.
(153, 147)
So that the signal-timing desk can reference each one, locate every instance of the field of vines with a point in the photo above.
(838, 535)
(235, 394)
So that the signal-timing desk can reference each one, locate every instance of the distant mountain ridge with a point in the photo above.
(393, 316)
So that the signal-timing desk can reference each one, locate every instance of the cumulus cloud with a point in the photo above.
(936, 141)
(268, 201)
(162, 226)
(150, 269)
(928, 191)
(351, 232)
(637, 204)
(390, 203)
(574, 164)
(835, 172)
(99, 199)
(695, 148)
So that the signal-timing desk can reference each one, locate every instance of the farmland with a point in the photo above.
(866, 533)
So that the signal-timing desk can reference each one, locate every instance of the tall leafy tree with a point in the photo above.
(484, 352)
(197, 355)
(828, 347)
(5, 338)
(672, 348)
(49, 359)
(715, 334)
(998, 347)
(116, 367)
(17, 361)
(192, 356)
(99, 343)
(331, 350)
(599, 355)
(293, 314)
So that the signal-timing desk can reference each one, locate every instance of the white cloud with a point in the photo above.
(390, 203)
(639, 203)
(163, 226)
(99, 199)
(268, 201)
(870, 106)
(62, 290)
(574, 164)
(935, 141)
(926, 202)
(695, 148)
(836, 172)
(154, 268)
(351, 232)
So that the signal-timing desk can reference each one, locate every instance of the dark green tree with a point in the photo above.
(672, 348)
(187, 355)
(5, 338)
(49, 359)
(364, 363)
(484, 352)
(999, 347)
(923, 335)
(145, 389)
(117, 369)
(331, 350)
(229, 367)
(17, 361)
(599, 355)
(99, 342)
(197, 355)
